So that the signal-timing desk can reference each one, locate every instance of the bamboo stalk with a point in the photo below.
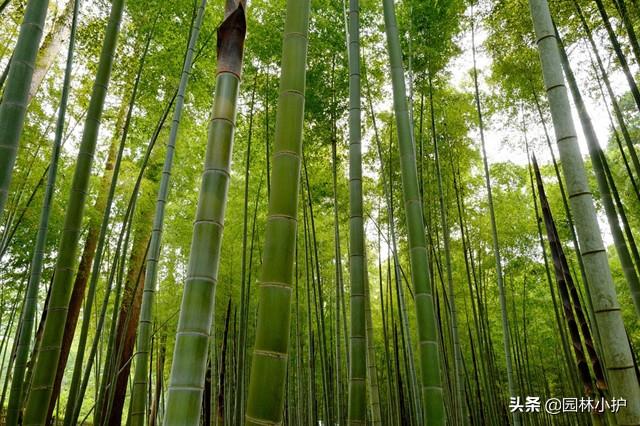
(617, 353)
(494, 237)
(429, 356)
(188, 370)
(138, 399)
(28, 312)
(357, 346)
(13, 106)
(47, 360)
(269, 363)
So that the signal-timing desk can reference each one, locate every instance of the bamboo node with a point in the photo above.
(270, 354)
(260, 421)
(276, 284)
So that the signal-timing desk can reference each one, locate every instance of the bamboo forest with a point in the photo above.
(326, 212)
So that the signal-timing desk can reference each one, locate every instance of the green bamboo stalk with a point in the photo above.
(268, 370)
(300, 395)
(402, 415)
(480, 342)
(372, 371)
(239, 397)
(357, 413)
(339, 294)
(339, 417)
(299, 344)
(389, 378)
(36, 344)
(311, 402)
(391, 412)
(397, 402)
(47, 360)
(267, 133)
(220, 413)
(318, 300)
(494, 236)
(138, 395)
(616, 351)
(515, 340)
(73, 399)
(457, 354)
(13, 106)
(10, 222)
(5, 347)
(196, 313)
(250, 267)
(394, 411)
(387, 185)
(33, 148)
(429, 353)
(29, 309)
(479, 412)
(76, 299)
(415, 405)
(153, 412)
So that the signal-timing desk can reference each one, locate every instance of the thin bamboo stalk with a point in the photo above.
(494, 237)
(429, 357)
(138, 399)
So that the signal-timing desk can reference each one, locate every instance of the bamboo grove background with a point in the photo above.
(296, 212)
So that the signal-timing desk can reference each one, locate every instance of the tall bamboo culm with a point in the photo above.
(189, 366)
(29, 310)
(357, 412)
(139, 392)
(269, 364)
(427, 333)
(616, 351)
(13, 106)
(47, 358)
